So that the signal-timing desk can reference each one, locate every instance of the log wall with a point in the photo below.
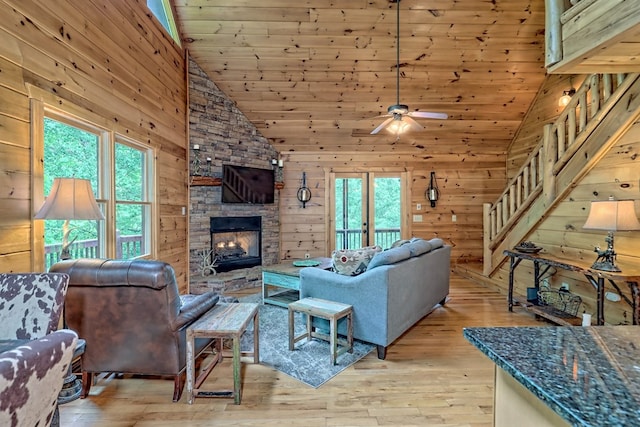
(112, 59)
(561, 233)
(543, 110)
(465, 181)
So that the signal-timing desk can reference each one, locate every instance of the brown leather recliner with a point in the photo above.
(132, 318)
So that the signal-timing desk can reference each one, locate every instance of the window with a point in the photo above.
(162, 11)
(120, 171)
(366, 209)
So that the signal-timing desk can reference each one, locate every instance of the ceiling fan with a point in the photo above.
(399, 117)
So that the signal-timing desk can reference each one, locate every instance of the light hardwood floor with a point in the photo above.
(432, 377)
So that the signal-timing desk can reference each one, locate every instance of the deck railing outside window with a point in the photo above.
(352, 238)
(127, 247)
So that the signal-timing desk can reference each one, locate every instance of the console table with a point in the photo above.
(222, 321)
(542, 263)
(285, 278)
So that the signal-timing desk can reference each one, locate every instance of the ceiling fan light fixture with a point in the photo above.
(398, 118)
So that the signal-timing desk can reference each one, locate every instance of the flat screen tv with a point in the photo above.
(243, 184)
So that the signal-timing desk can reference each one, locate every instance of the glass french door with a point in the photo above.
(367, 209)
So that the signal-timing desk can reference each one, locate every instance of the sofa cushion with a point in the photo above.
(436, 243)
(351, 262)
(418, 247)
(390, 256)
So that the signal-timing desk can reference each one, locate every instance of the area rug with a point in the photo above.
(310, 362)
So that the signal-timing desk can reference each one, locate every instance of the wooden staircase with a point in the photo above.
(602, 109)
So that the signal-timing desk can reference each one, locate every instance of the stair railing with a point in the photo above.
(559, 142)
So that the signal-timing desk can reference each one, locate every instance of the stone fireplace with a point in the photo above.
(236, 242)
(224, 136)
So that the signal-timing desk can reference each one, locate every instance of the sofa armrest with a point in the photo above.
(194, 306)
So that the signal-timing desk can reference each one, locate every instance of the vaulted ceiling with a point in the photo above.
(313, 75)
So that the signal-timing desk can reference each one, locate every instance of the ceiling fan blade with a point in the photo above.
(382, 126)
(428, 115)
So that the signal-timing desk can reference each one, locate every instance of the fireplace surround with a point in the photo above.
(236, 242)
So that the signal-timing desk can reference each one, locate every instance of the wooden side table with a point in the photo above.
(332, 311)
(222, 321)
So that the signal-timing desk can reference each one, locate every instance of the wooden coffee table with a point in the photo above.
(281, 282)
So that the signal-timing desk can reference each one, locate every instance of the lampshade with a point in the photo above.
(612, 215)
(70, 198)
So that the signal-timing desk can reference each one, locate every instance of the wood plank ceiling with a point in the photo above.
(313, 75)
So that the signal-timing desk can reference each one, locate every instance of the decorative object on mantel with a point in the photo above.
(528, 247)
(304, 194)
(610, 215)
(433, 192)
(195, 162)
(278, 165)
(207, 262)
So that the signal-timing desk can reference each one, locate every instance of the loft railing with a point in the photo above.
(352, 238)
(559, 142)
(127, 247)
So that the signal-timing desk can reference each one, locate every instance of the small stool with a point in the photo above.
(329, 310)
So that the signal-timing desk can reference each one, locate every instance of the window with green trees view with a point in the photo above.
(119, 171)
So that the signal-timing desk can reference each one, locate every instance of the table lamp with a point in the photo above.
(70, 198)
(610, 215)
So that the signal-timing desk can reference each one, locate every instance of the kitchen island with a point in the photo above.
(554, 376)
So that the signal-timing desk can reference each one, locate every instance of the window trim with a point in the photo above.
(169, 13)
(44, 105)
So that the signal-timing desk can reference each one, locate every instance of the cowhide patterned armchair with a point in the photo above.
(132, 318)
(31, 377)
(31, 304)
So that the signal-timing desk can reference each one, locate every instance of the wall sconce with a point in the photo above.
(566, 95)
(304, 194)
(432, 192)
(610, 215)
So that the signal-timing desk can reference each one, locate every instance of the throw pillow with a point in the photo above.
(351, 262)
(399, 243)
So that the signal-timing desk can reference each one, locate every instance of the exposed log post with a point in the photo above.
(553, 31)
(486, 234)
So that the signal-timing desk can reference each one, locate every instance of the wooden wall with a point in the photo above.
(544, 109)
(561, 233)
(466, 181)
(111, 59)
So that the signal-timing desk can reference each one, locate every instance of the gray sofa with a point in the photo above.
(400, 286)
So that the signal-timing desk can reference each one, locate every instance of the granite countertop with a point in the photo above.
(590, 376)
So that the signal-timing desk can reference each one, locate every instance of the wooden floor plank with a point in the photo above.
(432, 377)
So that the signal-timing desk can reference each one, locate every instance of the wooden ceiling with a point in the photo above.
(313, 75)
